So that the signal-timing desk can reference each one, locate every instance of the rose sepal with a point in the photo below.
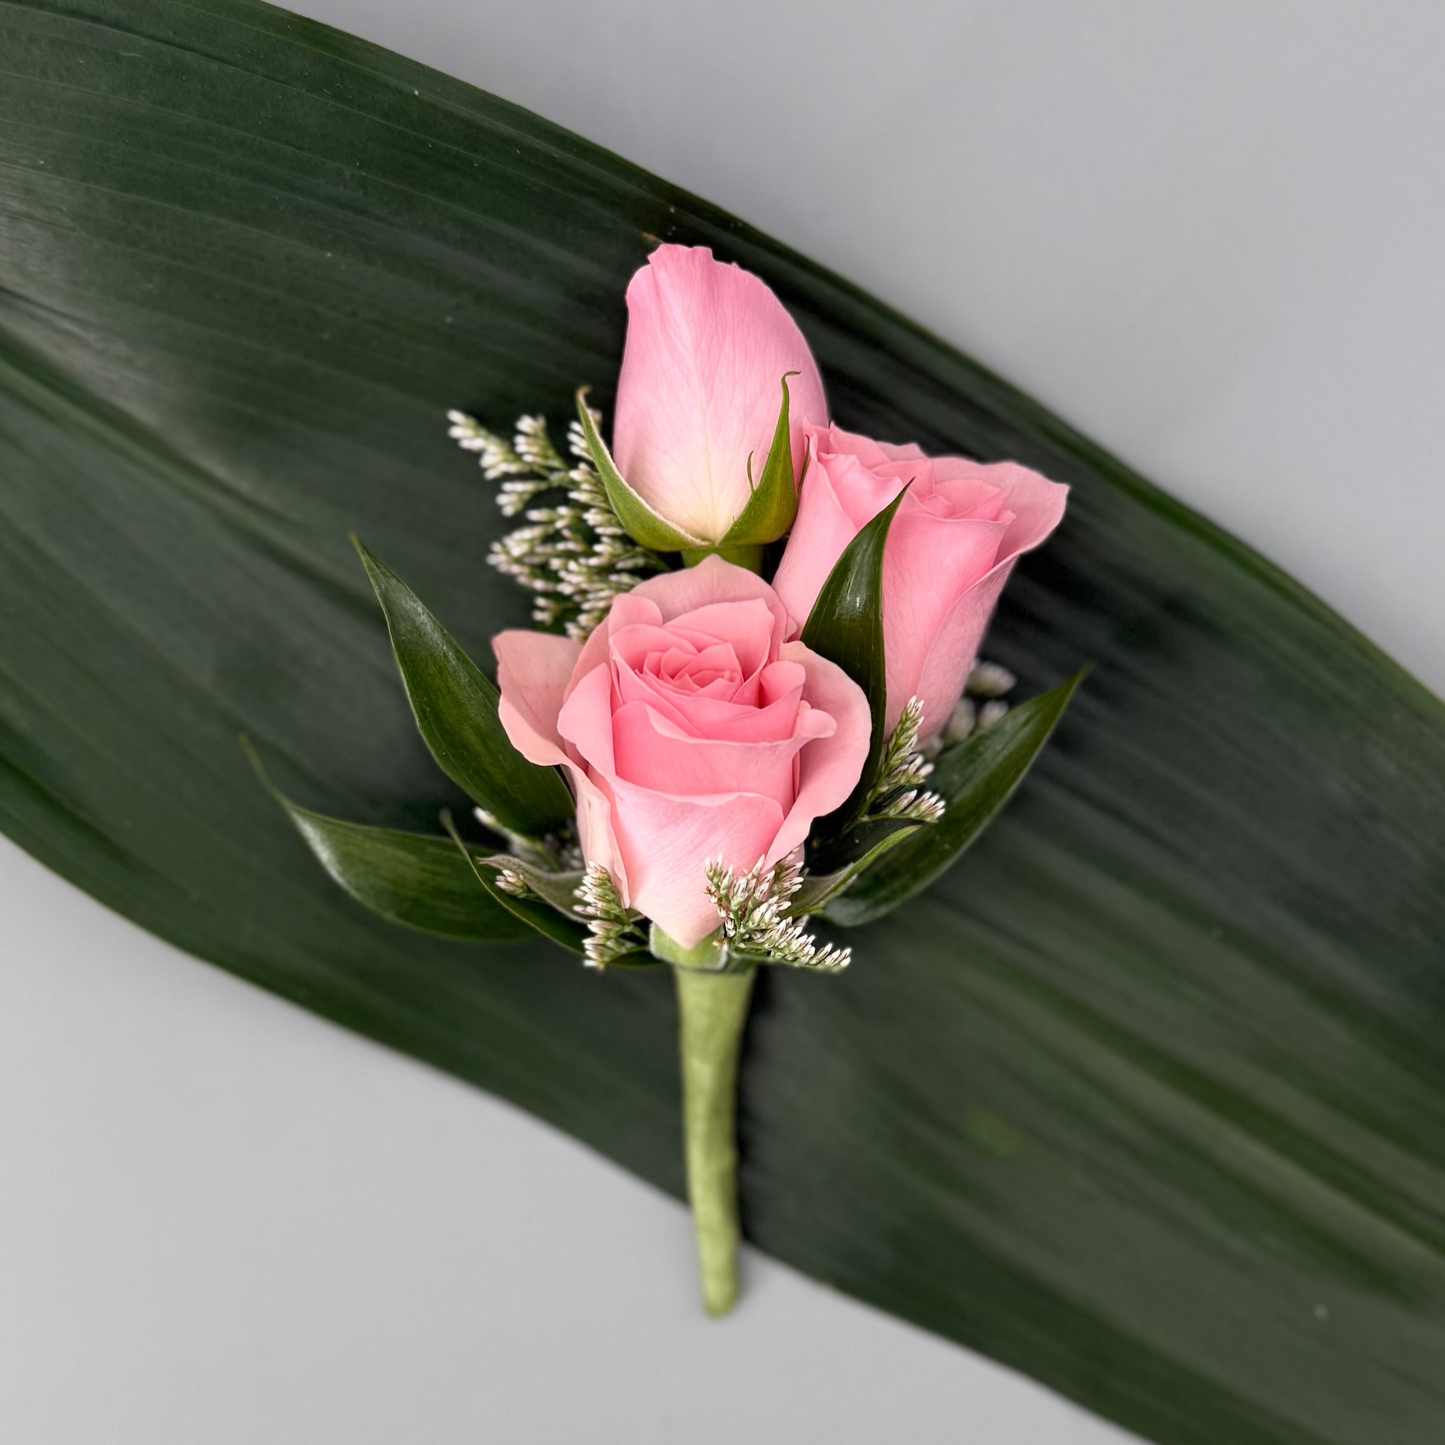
(642, 524)
(747, 554)
(773, 504)
(848, 856)
(709, 956)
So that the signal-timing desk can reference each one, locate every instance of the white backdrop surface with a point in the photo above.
(1209, 236)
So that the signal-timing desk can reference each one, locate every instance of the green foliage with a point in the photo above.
(846, 627)
(774, 502)
(408, 878)
(642, 523)
(456, 713)
(975, 779)
(1145, 1098)
(509, 888)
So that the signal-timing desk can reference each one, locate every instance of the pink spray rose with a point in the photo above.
(950, 550)
(707, 347)
(691, 730)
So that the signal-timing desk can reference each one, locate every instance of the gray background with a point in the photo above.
(1209, 235)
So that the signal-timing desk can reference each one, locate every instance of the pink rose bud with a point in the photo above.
(691, 730)
(707, 348)
(950, 550)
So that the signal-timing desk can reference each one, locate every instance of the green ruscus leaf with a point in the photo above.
(848, 855)
(456, 712)
(976, 779)
(548, 915)
(406, 877)
(846, 627)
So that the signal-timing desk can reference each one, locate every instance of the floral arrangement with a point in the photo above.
(754, 700)
(1142, 1099)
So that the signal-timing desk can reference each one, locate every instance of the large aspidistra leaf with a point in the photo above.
(1146, 1097)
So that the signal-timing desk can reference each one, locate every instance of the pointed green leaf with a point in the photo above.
(553, 912)
(557, 889)
(860, 847)
(405, 877)
(456, 713)
(642, 523)
(538, 913)
(846, 627)
(774, 501)
(976, 779)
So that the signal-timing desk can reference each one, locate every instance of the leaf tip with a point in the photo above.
(263, 777)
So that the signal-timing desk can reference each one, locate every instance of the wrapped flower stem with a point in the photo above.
(713, 1009)
(667, 762)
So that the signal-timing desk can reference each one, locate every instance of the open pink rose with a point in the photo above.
(950, 550)
(690, 730)
(707, 347)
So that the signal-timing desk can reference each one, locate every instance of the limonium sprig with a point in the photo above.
(509, 880)
(719, 689)
(575, 555)
(753, 907)
(614, 929)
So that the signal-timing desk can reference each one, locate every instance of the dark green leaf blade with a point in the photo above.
(407, 878)
(976, 779)
(536, 912)
(1122, 1103)
(542, 916)
(863, 844)
(456, 713)
(846, 627)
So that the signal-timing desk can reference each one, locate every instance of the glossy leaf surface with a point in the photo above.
(557, 889)
(1146, 1097)
(975, 779)
(846, 627)
(867, 843)
(409, 878)
(456, 712)
(536, 912)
